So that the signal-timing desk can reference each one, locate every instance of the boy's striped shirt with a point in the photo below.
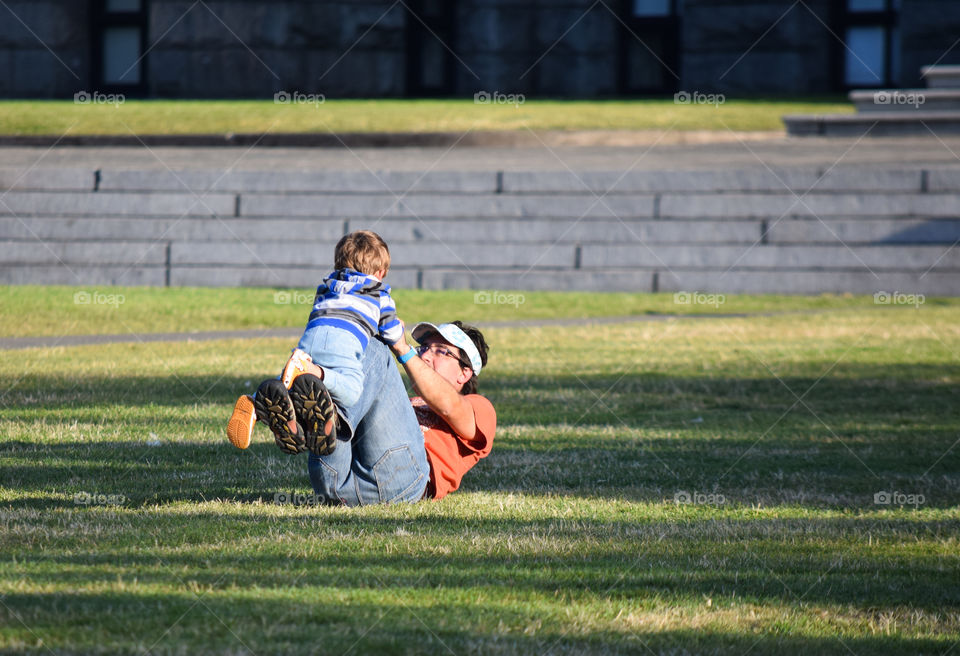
(357, 303)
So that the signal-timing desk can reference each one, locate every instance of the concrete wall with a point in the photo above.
(357, 48)
(746, 46)
(44, 48)
(559, 48)
(930, 29)
(253, 49)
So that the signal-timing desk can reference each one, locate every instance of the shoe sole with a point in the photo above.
(316, 413)
(272, 404)
(240, 425)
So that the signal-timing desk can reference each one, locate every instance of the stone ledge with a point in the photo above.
(941, 77)
(491, 138)
(874, 124)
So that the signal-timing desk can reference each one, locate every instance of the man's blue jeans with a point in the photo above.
(385, 460)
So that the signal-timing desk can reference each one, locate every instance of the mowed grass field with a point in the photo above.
(690, 485)
(110, 116)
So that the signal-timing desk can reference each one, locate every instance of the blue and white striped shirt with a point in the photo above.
(357, 303)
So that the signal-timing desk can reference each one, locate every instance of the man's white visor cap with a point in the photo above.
(452, 335)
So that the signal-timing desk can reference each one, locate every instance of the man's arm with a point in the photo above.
(442, 397)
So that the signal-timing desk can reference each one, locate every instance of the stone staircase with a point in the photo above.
(892, 112)
(859, 229)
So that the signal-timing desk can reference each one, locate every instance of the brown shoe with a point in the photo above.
(316, 413)
(273, 405)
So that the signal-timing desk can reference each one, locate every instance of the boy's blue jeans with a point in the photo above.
(339, 353)
(385, 460)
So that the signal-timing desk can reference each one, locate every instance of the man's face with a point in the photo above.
(446, 360)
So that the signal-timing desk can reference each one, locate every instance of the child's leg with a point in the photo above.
(339, 354)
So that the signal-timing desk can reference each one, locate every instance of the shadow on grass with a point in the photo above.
(313, 622)
(864, 429)
(865, 393)
(758, 560)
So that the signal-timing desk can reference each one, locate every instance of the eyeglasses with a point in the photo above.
(440, 349)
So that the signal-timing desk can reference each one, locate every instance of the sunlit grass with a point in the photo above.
(59, 117)
(93, 309)
(129, 523)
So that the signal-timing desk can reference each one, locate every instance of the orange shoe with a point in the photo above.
(240, 425)
(299, 363)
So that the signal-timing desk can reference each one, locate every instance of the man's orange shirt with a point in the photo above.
(450, 455)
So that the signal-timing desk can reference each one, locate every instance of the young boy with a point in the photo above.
(351, 306)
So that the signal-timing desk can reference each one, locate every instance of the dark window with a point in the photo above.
(431, 38)
(119, 29)
(869, 56)
(649, 43)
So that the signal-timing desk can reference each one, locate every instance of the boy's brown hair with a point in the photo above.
(364, 251)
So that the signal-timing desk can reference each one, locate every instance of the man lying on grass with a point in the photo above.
(388, 447)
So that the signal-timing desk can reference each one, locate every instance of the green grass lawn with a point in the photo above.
(571, 538)
(35, 310)
(58, 117)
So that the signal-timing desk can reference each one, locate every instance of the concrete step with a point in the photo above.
(390, 183)
(756, 179)
(496, 286)
(25, 203)
(291, 232)
(308, 253)
(859, 231)
(366, 182)
(774, 257)
(900, 288)
(304, 278)
(58, 274)
(493, 285)
(83, 253)
(47, 179)
(562, 231)
(447, 206)
(943, 180)
(874, 124)
(795, 230)
(393, 230)
(941, 77)
(774, 206)
(906, 100)
(205, 229)
(556, 206)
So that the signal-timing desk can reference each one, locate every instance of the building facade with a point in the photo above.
(426, 48)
